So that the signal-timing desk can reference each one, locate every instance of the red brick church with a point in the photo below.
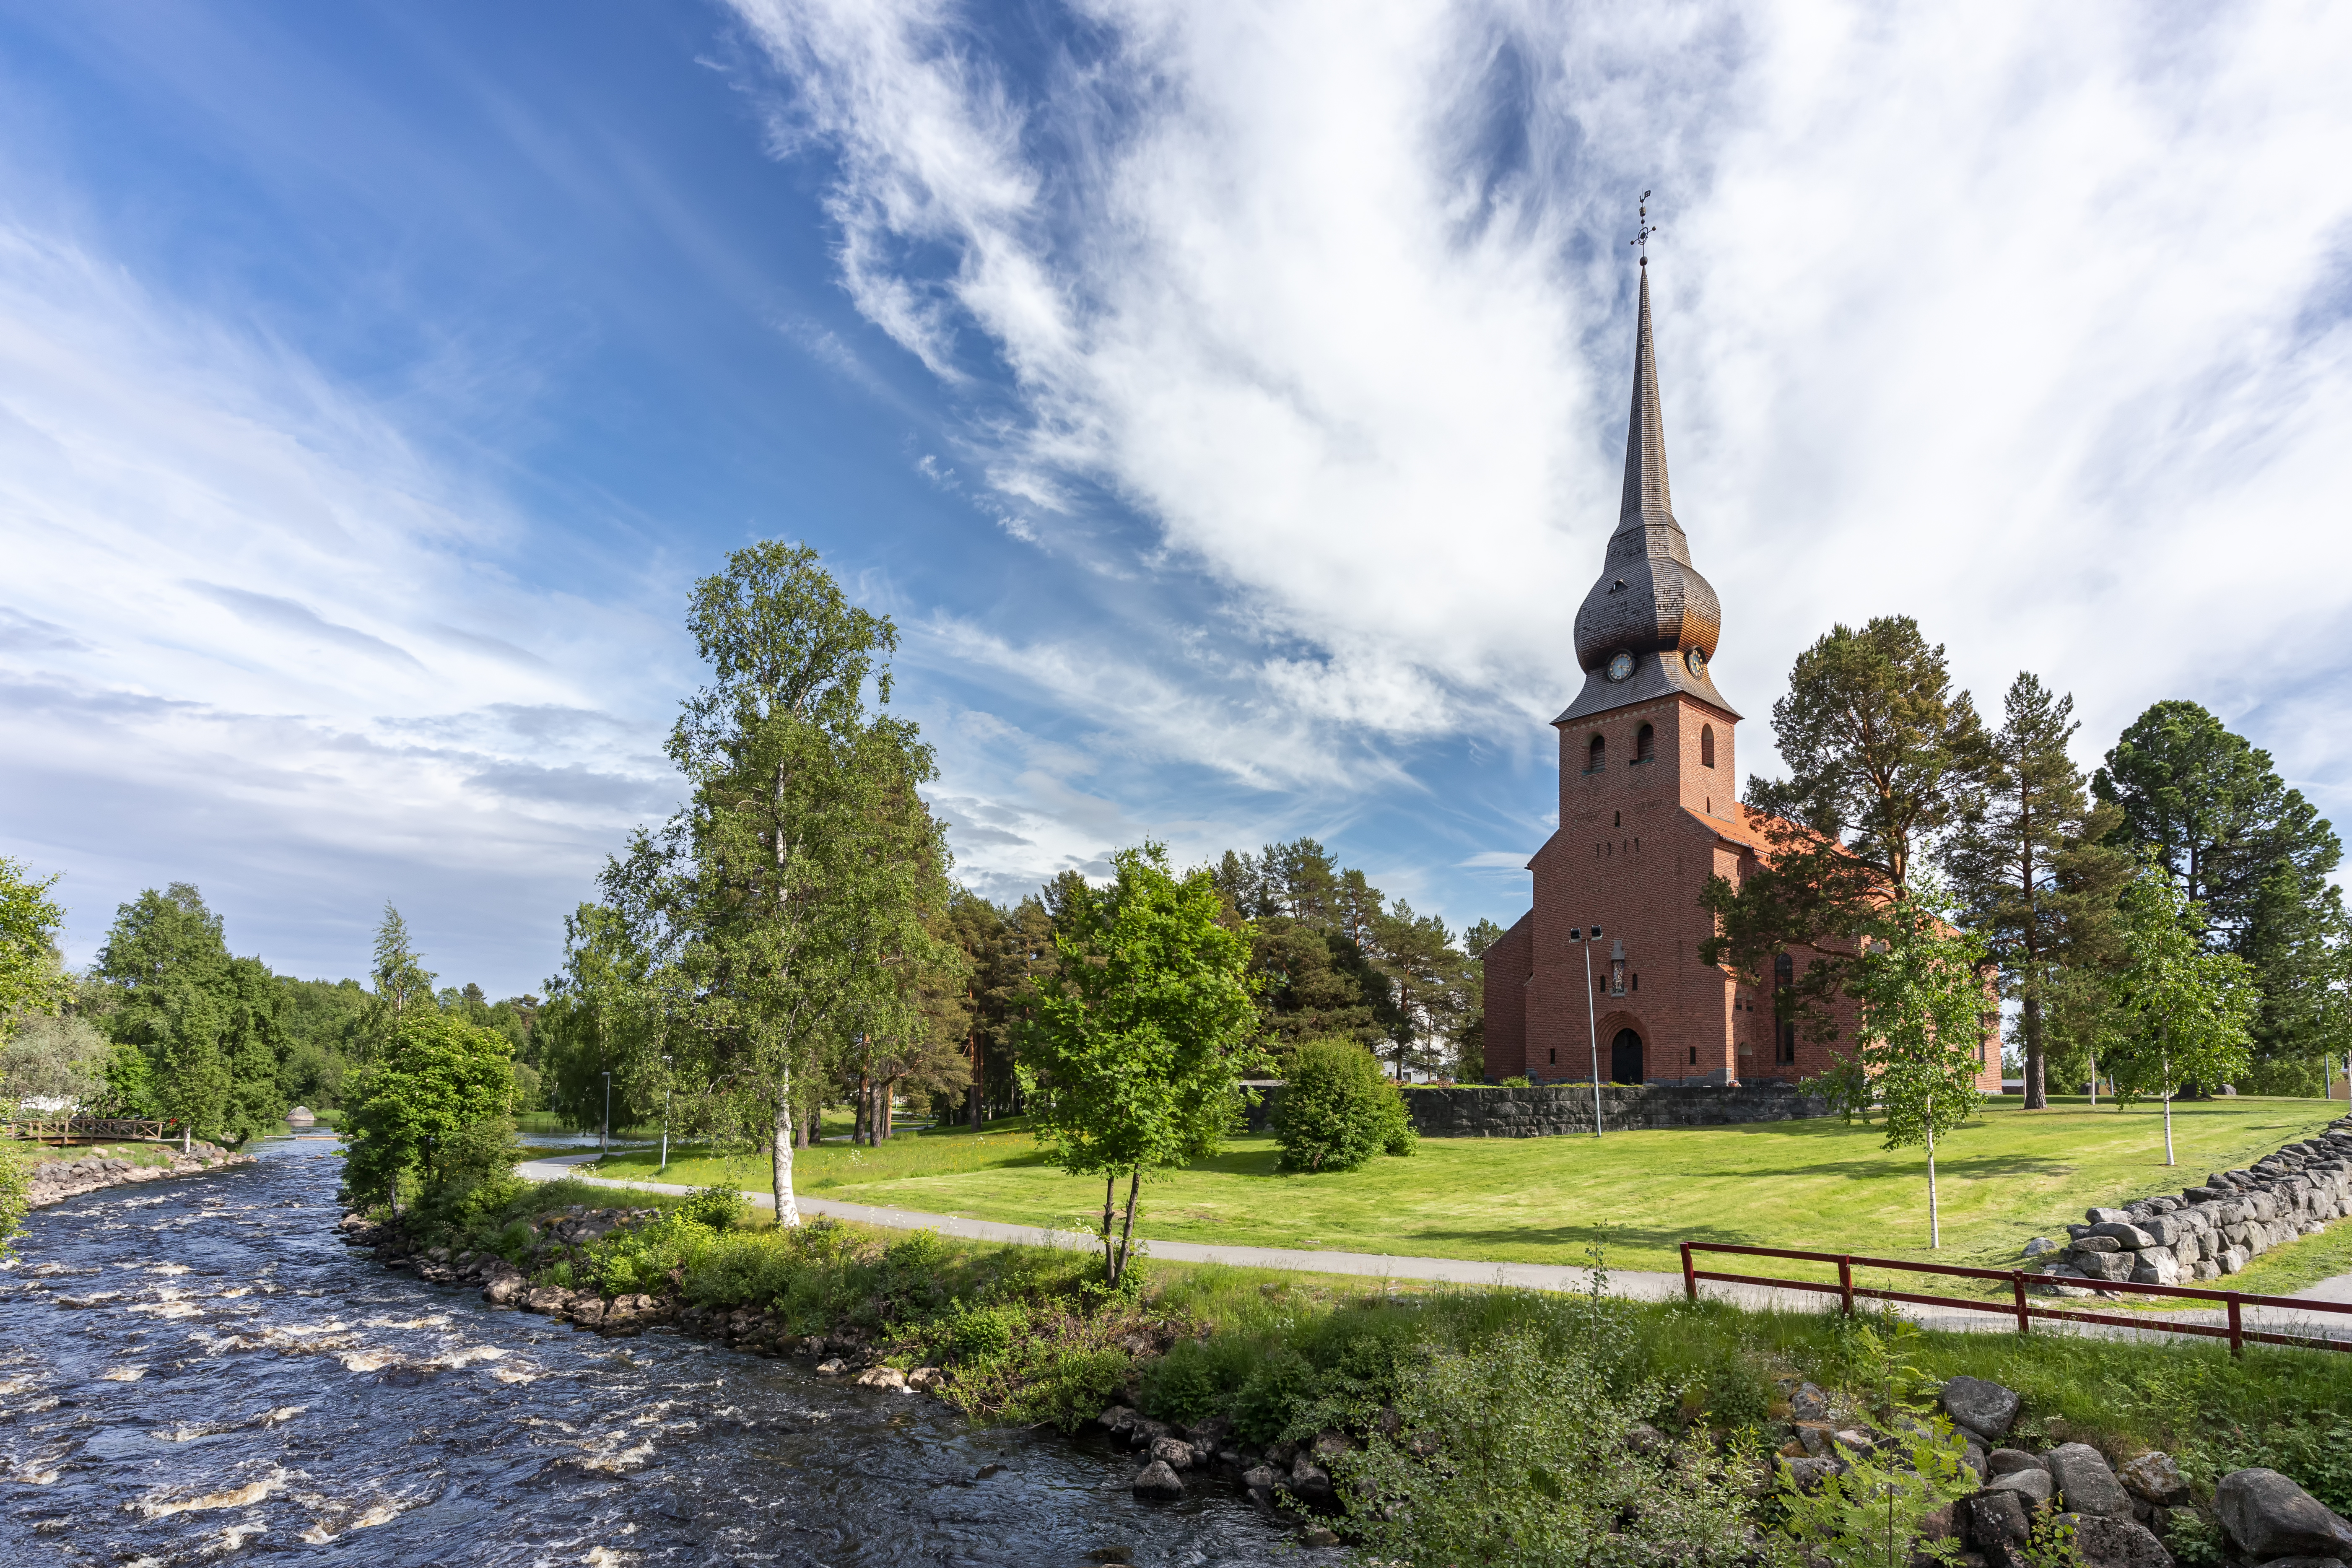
(1603, 974)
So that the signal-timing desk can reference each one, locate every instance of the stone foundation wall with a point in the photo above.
(1557, 1110)
(2217, 1228)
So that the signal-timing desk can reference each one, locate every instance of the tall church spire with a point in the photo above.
(1645, 428)
(1649, 625)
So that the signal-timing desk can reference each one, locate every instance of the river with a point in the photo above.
(196, 1370)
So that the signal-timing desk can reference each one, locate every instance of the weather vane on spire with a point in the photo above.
(1642, 235)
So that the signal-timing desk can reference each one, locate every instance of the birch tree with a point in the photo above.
(805, 862)
(2182, 1014)
(1923, 993)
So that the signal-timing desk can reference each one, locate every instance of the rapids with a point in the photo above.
(197, 1371)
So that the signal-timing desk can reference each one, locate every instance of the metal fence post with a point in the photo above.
(1690, 1275)
(2237, 1328)
(1845, 1285)
(2016, 1289)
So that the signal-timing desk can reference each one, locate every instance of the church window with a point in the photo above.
(1596, 755)
(1707, 747)
(1618, 820)
(1693, 1050)
(1637, 982)
(1554, 1056)
(1788, 1052)
(1646, 744)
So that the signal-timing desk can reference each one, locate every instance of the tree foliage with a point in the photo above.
(32, 980)
(2005, 854)
(2254, 856)
(1133, 1059)
(433, 1107)
(2181, 1012)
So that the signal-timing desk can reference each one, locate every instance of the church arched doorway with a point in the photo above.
(1626, 1057)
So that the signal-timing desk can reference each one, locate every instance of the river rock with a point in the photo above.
(551, 1300)
(833, 1367)
(1157, 1483)
(1259, 1481)
(2104, 1542)
(504, 1289)
(1175, 1453)
(924, 1379)
(888, 1377)
(1985, 1409)
(2153, 1478)
(1310, 1483)
(2086, 1483)
(2268, 1516)
(2034, 1486)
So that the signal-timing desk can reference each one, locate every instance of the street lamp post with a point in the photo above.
(1592, 1021)
(604, 1137)
(666, 1086)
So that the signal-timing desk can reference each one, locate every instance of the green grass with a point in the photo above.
(1817, 1185)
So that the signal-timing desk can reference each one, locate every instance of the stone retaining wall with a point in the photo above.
(1474, 1111)
(2217, 1228)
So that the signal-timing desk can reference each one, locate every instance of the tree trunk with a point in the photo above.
(780, 1155)
(2037, 1096)
(886, 1095)
(1127, 1230)
(979, 1083)
(1110, 1269)
(1935, 1220)
(2164, 1066)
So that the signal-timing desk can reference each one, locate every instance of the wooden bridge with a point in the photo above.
(94, 1130)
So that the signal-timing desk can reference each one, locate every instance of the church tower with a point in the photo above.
(1648, 811)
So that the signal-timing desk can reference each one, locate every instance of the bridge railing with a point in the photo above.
(113, 1129)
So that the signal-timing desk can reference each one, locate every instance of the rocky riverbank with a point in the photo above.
(55, 1181)
(2217, 1228)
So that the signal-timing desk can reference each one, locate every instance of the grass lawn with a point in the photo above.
(1819, 1185)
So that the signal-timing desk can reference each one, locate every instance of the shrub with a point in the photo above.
(720, 1208)
(1338, 1109)
(1521, 1455)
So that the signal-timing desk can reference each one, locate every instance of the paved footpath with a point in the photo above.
(1636, 1284)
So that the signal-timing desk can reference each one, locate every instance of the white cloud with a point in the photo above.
(253, 640)
(2029, 322)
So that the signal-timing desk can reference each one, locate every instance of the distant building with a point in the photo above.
(1649, 809)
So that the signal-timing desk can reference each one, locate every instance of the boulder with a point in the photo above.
(1997, 1522)
(2036, 1245)
(924, 1379)
(2086, 1483)
(2153, 1478)
(2034, 1486)
(504, 1289)
(2106, 1265)
(832, 1366)
(2155, 1266)
(1175, 1453)
(2130, 1237)
(888, 1377)
(1987, 1409)
(1261, 1479)
(2104, 1542)
(2265, 1515)
(2108, 1216)
(1808, 1404)
(1807, 1475)
(1157, 1483)
(1310, 1483)
(2098, 1244)
(2009, 1461)
(548, 1299)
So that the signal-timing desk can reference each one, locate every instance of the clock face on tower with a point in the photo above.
(1621, 666)
(1696, 660)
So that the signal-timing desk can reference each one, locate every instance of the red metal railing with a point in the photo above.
(2017, 1306)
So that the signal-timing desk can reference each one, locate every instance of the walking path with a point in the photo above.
(1641, 1285)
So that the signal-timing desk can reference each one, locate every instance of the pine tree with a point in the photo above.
(2003, 855)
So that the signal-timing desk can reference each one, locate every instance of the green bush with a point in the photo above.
(720, 1208)
(1338, 1110)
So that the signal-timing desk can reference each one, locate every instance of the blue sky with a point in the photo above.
(1226, 401)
